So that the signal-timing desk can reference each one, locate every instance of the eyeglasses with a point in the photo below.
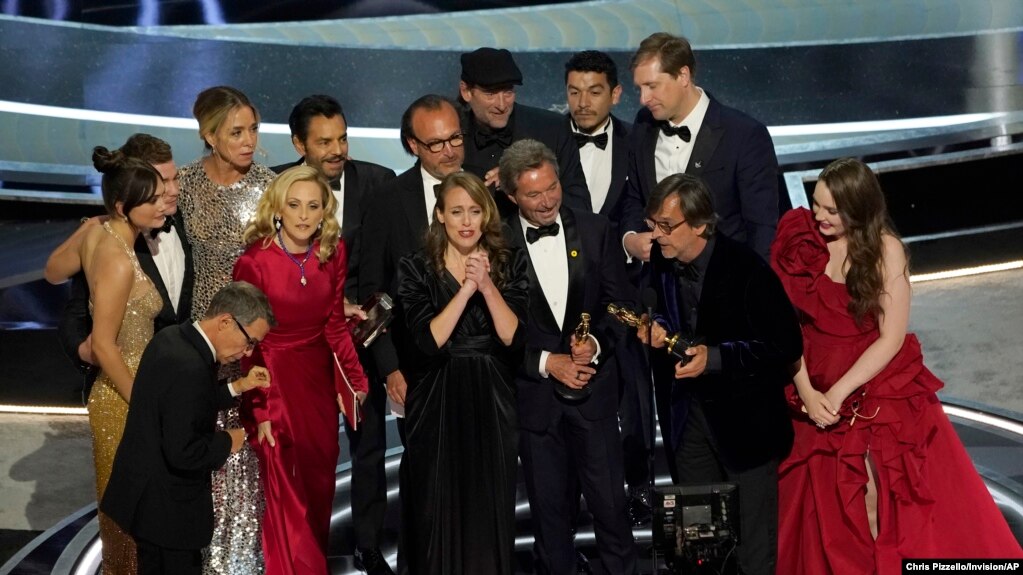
(436, 146)
(252, 343)
(665, 227)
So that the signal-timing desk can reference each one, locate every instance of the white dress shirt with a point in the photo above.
(550, 261)
(339, 195)
(429, 196)
(671, 154)
(169, 257)
(597, 165)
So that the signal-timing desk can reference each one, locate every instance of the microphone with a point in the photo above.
(649, 299)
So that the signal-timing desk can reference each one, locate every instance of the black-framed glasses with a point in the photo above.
(436, 146)
(665, 227)
(251, 343)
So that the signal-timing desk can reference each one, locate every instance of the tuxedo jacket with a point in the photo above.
(619, 162)
(596, 278)
(394, 225)
(362, 180)
(547, 127)
(744, 312)
(159, 487)
(733, 154)
(76, 322)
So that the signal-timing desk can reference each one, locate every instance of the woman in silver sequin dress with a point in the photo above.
(219, 193)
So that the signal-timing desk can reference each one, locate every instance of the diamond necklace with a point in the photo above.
(300, 264)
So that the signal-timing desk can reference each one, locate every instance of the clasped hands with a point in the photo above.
(697, 354)
(477, 273)
(821, 407)
(574, 369)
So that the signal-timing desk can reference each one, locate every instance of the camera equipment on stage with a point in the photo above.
(696, 527)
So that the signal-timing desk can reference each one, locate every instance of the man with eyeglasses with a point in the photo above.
(394, 225)
(159, 488)
(494, 120)
(727, 413)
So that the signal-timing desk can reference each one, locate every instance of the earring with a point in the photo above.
(319, 226)
(277, 222)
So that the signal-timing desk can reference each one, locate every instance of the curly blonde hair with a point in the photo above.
(272, 203)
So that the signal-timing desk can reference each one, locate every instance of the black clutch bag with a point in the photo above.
(379, 307)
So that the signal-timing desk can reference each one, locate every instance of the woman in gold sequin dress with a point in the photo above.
(219, 193)
(124, 303)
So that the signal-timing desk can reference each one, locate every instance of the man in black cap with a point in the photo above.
(494, 121)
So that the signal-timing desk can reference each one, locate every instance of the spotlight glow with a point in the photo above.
(43, 410)
(963, 272)
(985, 418)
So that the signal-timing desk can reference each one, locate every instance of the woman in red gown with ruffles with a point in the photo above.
(876, 473)
(296, 257)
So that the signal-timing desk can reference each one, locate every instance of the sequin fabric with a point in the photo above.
(215, 217)
(108, 410)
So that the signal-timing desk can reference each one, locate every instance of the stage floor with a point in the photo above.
(994, 441)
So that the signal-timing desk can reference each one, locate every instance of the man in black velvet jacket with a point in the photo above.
(729, 418)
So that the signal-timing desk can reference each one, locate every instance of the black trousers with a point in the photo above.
(590, 452)
(369, 479)
(156, 560)
(698, 461)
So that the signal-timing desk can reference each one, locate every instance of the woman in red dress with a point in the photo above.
(876, 473)
(295, 256)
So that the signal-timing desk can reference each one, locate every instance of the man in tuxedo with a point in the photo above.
(494, 120)
(319, 133)
(165, 255)
(683, 129)
(159, 488)
(567, 385)
(729, 418)
(591, 83)
(394, 224)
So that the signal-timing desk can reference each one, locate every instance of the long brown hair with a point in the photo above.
(271, 203)
(861, 205)
(491, 241)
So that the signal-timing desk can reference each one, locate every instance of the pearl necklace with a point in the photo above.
(300, 264)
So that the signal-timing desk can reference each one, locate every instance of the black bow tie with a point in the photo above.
(168, 223)
(681, 131)
(600, 140)
(533, 234)
(685, 271)
(485, 136)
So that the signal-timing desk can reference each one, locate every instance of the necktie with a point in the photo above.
(685, 271)
(600, 140)
(533, 234)
(681, 131)
(168, 223)
(485, 136)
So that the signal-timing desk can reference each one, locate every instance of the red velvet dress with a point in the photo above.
(298, 474)
(931, 502)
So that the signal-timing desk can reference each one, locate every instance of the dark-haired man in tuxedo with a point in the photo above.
(729, 419)
(493, 120)
(159, 490)
(164, 254)
(567, 387)
(395, 224)
(319, 133)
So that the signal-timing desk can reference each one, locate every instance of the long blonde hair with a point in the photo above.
(272, 203)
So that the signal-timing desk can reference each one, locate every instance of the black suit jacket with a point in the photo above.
(596, 277)
(76, 322)
(362, 180)
(159, 487)
(619, 162)
(394, 225)
(744, 312)
(734, 154)
(533, 123)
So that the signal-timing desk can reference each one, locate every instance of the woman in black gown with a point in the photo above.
(464, 298)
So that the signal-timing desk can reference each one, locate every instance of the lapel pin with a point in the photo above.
(574, 253)
(698, 165)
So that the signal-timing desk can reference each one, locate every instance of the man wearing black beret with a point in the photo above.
(493, 121)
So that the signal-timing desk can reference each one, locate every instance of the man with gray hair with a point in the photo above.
(568, 383)
(159, 488)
